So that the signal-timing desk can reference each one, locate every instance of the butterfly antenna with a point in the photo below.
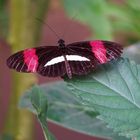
(40, 20)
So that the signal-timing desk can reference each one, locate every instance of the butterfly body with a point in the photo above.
(77, 58)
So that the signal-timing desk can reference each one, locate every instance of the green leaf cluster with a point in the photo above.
(105, 18)
(110, 93)
(40, 104)
(114, 91)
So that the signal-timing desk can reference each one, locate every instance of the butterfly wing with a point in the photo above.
(51, 64)
(34, 59)
(77, 58)
(83, 61)
(98, 52)
(16, 61)
(102, 51)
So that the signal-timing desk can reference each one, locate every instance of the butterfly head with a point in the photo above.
(61, 43)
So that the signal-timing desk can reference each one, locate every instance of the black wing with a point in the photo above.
(54, 70)
(80, 67)
(34, 59)
(16, 61)
(100, 49)
(82, 57)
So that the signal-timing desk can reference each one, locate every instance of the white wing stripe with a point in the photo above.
(69, 58)
(55, 61)
(76, 58)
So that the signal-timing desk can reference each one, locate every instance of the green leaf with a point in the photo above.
(105, 18)
(40, 104)
(114, 91)
(133, 52)
(39, 101)
(65, 110)
(91, 13)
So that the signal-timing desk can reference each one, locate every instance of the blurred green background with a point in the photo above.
(74, 20)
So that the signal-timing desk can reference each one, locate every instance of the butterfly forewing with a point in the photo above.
(99, 51)
(51, 67)
(113, 50)
(16, 62)
(29, 60)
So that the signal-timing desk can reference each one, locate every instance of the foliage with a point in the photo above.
(108, 90)
(40, 104)
(107, 17)
(113, 90)
(133, 52)
(22, 34)
(111, 93)
(64, 110)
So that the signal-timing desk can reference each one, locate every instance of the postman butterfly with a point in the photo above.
(77, 58)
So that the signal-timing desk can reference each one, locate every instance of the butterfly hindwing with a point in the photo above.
(81, 67)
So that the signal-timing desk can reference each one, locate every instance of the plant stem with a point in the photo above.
(19, 124)
(43, 123)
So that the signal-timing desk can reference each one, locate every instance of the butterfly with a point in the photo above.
(77, 58)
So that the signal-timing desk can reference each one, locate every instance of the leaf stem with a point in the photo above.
(43, 123)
